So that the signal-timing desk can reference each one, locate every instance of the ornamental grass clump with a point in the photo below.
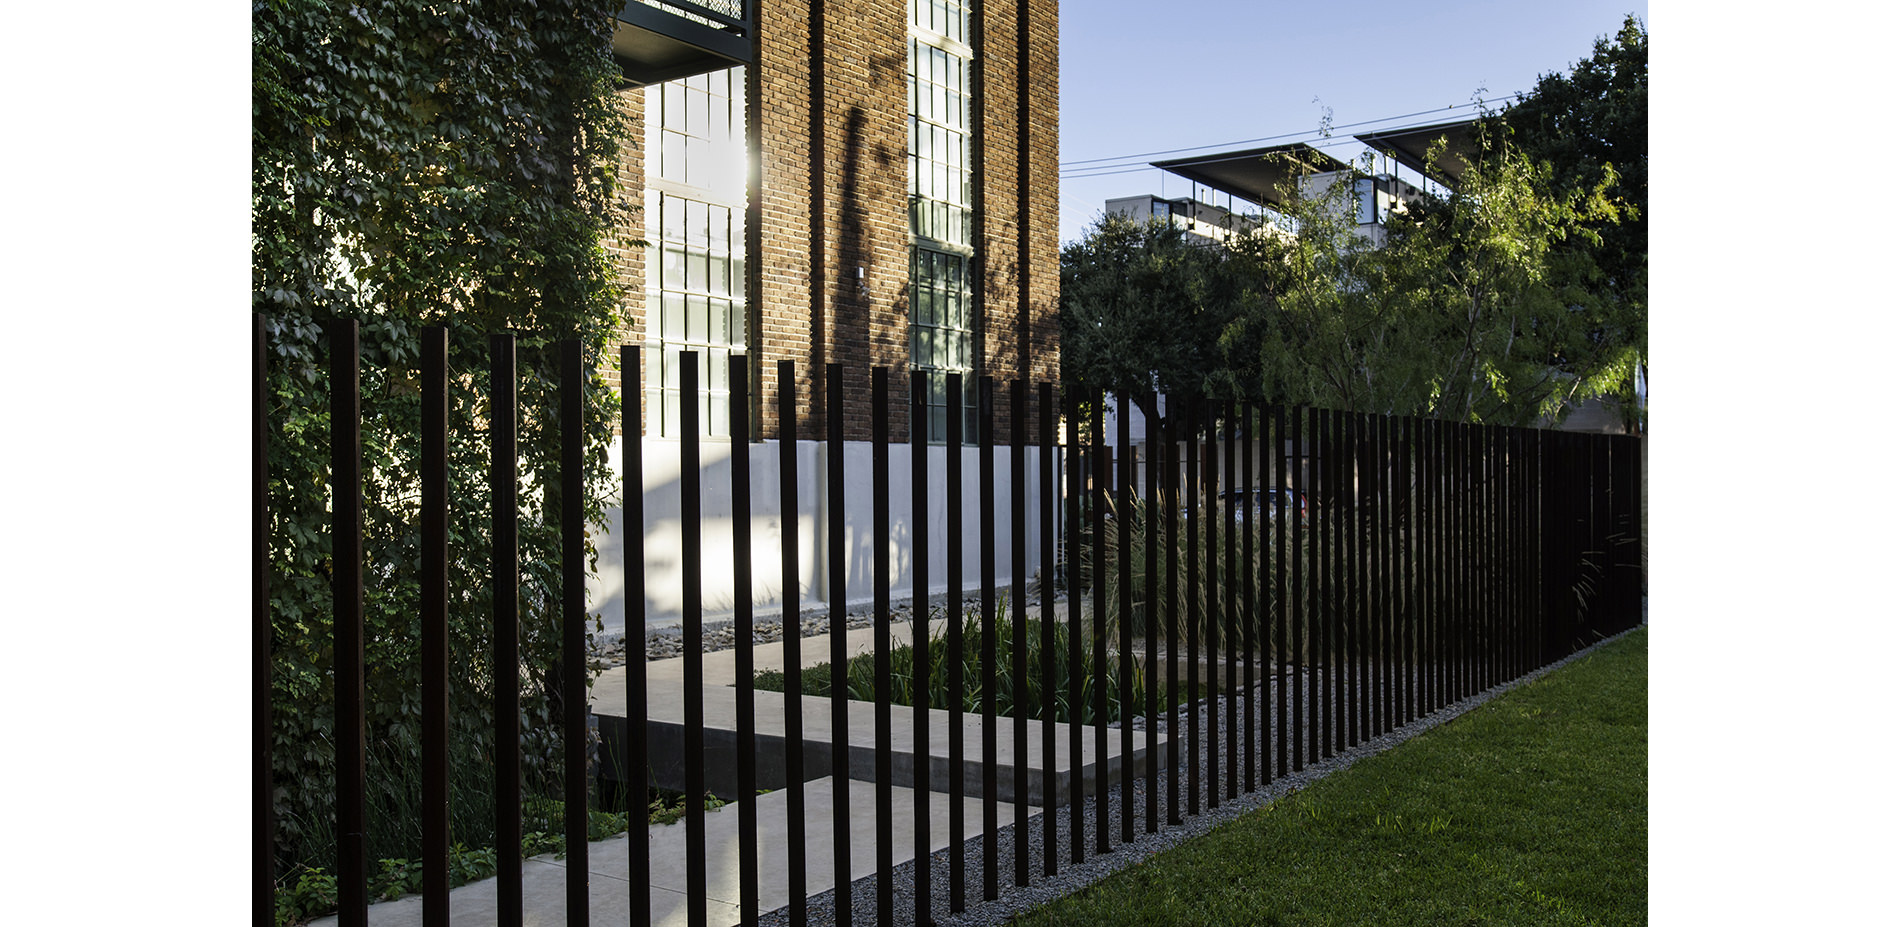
(861, 675)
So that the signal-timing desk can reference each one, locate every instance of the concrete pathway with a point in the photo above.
(666, 714)
(544, 878)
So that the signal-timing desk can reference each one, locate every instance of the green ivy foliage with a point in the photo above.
(423, 163)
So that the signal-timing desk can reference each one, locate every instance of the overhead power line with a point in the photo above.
(1315, 140)
(1112, 170)
(1071, 165)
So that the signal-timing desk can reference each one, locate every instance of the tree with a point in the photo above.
(1462, 311)
(416, 164)
(1593, 118)
(1505, 300)
(1143, 308)
(1454, 315)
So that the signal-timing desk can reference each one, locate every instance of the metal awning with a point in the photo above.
(1410, 146)
(659, 40)
(1257, 175)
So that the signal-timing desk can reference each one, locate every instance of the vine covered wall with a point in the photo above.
(422, 163)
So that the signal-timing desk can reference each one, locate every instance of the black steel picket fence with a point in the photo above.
(1311, 579)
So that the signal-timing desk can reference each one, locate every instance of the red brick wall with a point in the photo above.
(1018, 334)
(1042, 343)
(830, 316)
(630, 259)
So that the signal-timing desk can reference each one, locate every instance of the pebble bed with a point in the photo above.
(1071, 877)
(667, 641)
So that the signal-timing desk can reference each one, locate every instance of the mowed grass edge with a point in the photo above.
(1531, 809)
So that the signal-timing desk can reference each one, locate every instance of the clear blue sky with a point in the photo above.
(1139, 77)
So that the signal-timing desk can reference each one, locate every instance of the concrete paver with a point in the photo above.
(666, 714)
(544, 878)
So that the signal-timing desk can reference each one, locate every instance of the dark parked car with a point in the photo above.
(1276, 502)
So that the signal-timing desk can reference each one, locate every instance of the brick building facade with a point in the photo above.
(906, 210)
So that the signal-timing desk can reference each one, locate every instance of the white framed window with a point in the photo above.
(940, 334)
(947, 18)
(696, 133)
(941, 218)
(696, 272)
(939, 145)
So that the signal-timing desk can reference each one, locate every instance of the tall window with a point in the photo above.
(940, 214)
(1365, 194)
(695, 210)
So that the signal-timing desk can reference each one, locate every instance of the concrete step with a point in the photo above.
(666, 746)
(666, 716)
(544, 878)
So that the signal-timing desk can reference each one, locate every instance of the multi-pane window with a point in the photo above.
(696, 128)
(940, 214)
(940, 332)
(695, 302)
(947, 18)
(939, 144)
(695, 209)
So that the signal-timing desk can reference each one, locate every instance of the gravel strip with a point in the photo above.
(665, 642)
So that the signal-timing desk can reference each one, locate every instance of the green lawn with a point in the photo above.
(1530, 810)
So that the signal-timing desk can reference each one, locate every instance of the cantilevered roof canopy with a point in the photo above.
(1410, 147)
(1257, 175)
(655, 41)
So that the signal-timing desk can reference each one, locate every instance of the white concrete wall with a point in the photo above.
(662, 528)
(1146, 444)
(1137, 420)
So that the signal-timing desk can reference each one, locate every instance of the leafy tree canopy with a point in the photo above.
(1584, 124)
(1505, 300)
(1143, 308)
(1454, 314)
